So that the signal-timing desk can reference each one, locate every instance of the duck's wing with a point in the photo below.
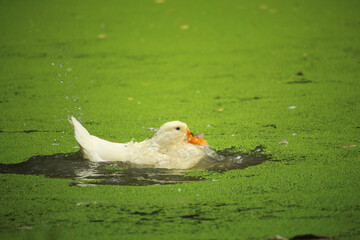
(98, 150)
(110, 151)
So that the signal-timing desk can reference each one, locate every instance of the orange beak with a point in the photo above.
(195, 140)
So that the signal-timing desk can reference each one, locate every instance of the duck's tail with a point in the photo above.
(87, 143)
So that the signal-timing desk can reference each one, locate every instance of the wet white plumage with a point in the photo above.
(168, 148)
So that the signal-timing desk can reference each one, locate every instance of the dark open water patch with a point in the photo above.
(29, 131)
(73, 166)
(302, 81)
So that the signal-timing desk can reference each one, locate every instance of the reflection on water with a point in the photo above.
(73, 166)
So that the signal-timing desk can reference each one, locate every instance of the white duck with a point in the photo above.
(173, 146)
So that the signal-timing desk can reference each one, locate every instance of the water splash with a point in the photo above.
(73, 166)
(68, 104)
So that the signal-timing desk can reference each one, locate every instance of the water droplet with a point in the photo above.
(76, 99)
(61, 65)
(292, 107)
(53, 64)
(179, 189)
(62, 81)
(79, 108)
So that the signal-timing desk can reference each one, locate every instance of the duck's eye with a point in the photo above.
(178, 128)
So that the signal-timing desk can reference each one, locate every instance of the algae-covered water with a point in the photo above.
(279, 74)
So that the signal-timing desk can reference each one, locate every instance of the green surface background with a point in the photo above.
(229, 69)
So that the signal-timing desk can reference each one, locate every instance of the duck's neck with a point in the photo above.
(165, 143)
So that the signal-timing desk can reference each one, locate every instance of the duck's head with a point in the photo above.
(172, 133)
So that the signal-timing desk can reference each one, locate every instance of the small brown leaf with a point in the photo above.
(347, 146)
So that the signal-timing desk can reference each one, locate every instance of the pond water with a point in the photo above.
(73, 166)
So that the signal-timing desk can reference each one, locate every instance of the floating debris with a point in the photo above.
(283, 142)
(184, 27)
(102, 36)
(348, 146)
